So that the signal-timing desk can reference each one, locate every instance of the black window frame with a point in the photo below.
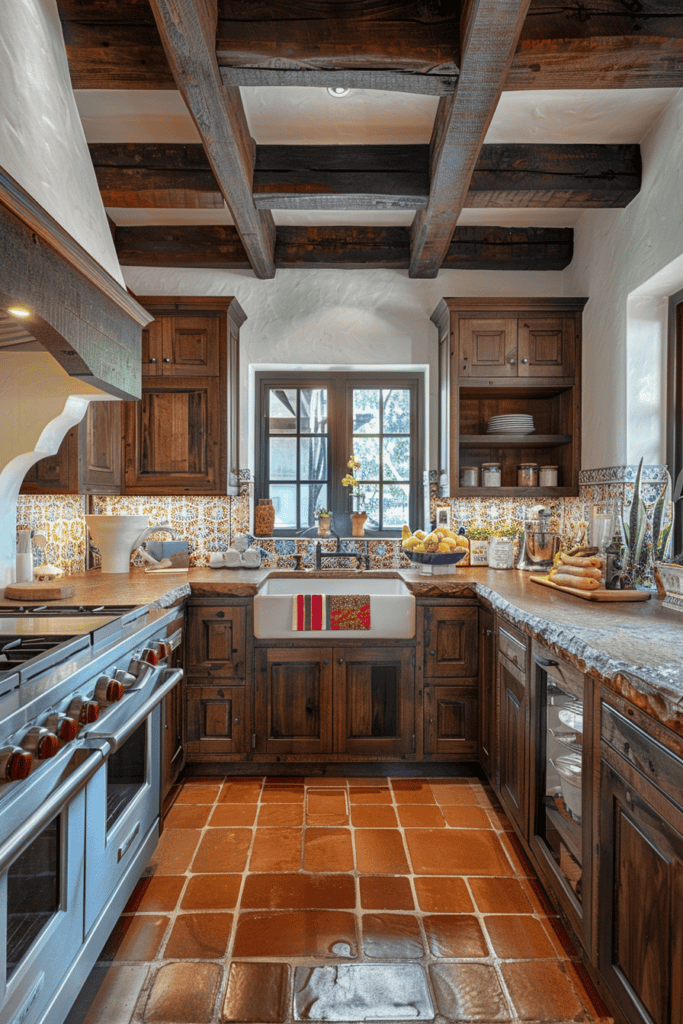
(340, 385)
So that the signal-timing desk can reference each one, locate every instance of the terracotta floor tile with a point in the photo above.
(285, 780)
(222, 850)
(459, 852)
(296, 933)
(226, 815)
(500, 896)
(521, 863)
(455, 935)
(257, 992)
(199, 936)
(276, 849)
(454, 791)
(109, 994)
(380, 851)
(211, 892)
(468, 992)
(392, 937)
(369, 794)
(443, 895)
(326, 807)
(586, 989)
(152, 895)
(465, 816)
(185, 993)
(558, 934)
(299, 892)
(418, 816)
(188, 816)
(539, 900)
(280, 814)
(362, 992)
(240, 791)
(174, 853)
(385, 892)
(281, 794)
(541, 991)
(369, 780)
(321, 780)
(373, 816)
(198, 792)
(499, 820)
(518, 937)
(412, 791)
(328, 849)
(135, 938)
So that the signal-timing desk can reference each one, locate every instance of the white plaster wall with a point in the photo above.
(42, 143)
(627, 261)
(327, 317)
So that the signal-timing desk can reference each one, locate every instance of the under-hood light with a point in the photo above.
(338, 91)
(19, 311)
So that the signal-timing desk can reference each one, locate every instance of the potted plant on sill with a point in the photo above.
(358, 513)
(324, 517)
(669, 573)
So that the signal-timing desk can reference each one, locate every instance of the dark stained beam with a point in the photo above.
(603, 44)
(356, 78)
(370, 177)
(489, 34)
(188, 32)
(471, 248)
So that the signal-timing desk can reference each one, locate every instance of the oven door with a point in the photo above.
(41, 885)
(123, 799)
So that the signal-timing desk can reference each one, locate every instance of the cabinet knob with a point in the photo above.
(237, 721)
(326, 661)
(166, 359)
(525, 361)
(340, 661)
(432, 654)
(153, 359)
(489, 632)
(511, 360)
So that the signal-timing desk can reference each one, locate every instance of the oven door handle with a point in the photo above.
(171, 678)
(33, 825)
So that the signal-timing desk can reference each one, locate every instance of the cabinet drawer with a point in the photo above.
(513, 645)
(216, 642)
(659, 765)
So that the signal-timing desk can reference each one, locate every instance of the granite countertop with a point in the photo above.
(635, 649)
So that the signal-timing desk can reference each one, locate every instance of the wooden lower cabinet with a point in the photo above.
(374, 701)
(293, 701)
(450, 642)
(513, 717)
(486, 724)
(450, 719)
(216, 642)
(217, 721)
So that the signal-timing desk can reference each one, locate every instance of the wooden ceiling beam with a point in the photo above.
(369, 177)
(356, 78)
(188, 30)
(219, 247)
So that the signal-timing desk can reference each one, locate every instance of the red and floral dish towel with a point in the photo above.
(349, 611)
(309, 612)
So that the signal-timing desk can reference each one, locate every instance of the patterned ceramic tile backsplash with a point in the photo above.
(209, 523)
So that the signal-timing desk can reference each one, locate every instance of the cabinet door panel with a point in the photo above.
(294, 701)
(487, 691)
(56, 474)
(488, 347)
(216, 642)
(450, 642)
(190, 346)
(100, 449)
(216, 722)
(152, 348)
(450, 719)
(513, 715)
(641, 913)
(373, 700)
(546, 347)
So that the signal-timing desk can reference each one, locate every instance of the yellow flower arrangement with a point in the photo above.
(350, 479)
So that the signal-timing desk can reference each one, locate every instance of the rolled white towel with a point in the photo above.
(232, 558)
(251, 559)
(240, 542)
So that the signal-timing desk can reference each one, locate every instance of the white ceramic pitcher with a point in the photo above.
(117, 537)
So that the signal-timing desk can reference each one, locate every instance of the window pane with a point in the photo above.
(313, 464)
(310, 496)
(367, 450)
(396, 458)
(371, 505)
(396, 505)
(282, 411)
(313, 411)
(365, 411)
(283, 458)
(396, 403)
(284, 503)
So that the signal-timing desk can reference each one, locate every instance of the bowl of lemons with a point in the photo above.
(440, 547)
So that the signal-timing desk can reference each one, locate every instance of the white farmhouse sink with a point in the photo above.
(392, 607)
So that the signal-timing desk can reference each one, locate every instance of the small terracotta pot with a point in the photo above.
(324, 523)
(358, 524)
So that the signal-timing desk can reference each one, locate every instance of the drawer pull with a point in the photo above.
(123, 850)
(432, 654)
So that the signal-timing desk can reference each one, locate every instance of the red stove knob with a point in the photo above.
(64, 727)
(150, 656)
(83, 711)
(40, 743)
(165, 649)
(15, 764)
(108, 690)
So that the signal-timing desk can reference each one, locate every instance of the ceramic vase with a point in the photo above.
(264, 518)
(358, 524)
(324, 523)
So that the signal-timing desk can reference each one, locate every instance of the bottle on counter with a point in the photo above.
(613, 563)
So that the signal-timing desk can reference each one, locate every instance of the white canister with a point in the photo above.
(469, 476)
(547, 476)
(501, 553)
(479, 552)
(490, 472)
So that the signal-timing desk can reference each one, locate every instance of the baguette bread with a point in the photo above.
(586, 563)
(580, 570)
(577, 582)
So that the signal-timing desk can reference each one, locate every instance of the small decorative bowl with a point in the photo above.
(434, 558)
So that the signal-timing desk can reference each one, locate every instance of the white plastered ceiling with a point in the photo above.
(304, 116)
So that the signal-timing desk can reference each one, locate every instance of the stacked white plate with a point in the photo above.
(511, 424)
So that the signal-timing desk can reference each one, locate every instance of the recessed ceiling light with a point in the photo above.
(338, 91)
(19, 311)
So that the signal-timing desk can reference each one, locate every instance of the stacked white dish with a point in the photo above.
(511, 424)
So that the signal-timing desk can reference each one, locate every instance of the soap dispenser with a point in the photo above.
(25, 539)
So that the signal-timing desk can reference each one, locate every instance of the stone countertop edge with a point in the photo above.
(656, 686)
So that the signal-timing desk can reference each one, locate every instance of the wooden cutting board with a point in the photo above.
(39, 591)
(595, 595)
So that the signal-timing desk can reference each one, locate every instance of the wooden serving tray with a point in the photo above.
(39, 591)
(595, 595)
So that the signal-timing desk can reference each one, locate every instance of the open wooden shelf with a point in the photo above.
(514, 440)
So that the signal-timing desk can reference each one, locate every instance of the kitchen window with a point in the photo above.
(675, 402)
(309, 425)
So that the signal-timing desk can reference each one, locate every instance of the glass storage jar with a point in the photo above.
(527, 474)
(490, 472)
(469, 476)
(547, 476)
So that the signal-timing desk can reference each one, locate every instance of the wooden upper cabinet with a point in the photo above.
(88, 460)
(488, 347)
(181, 346)
(545, 347)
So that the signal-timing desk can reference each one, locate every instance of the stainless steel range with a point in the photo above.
(82, 694)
